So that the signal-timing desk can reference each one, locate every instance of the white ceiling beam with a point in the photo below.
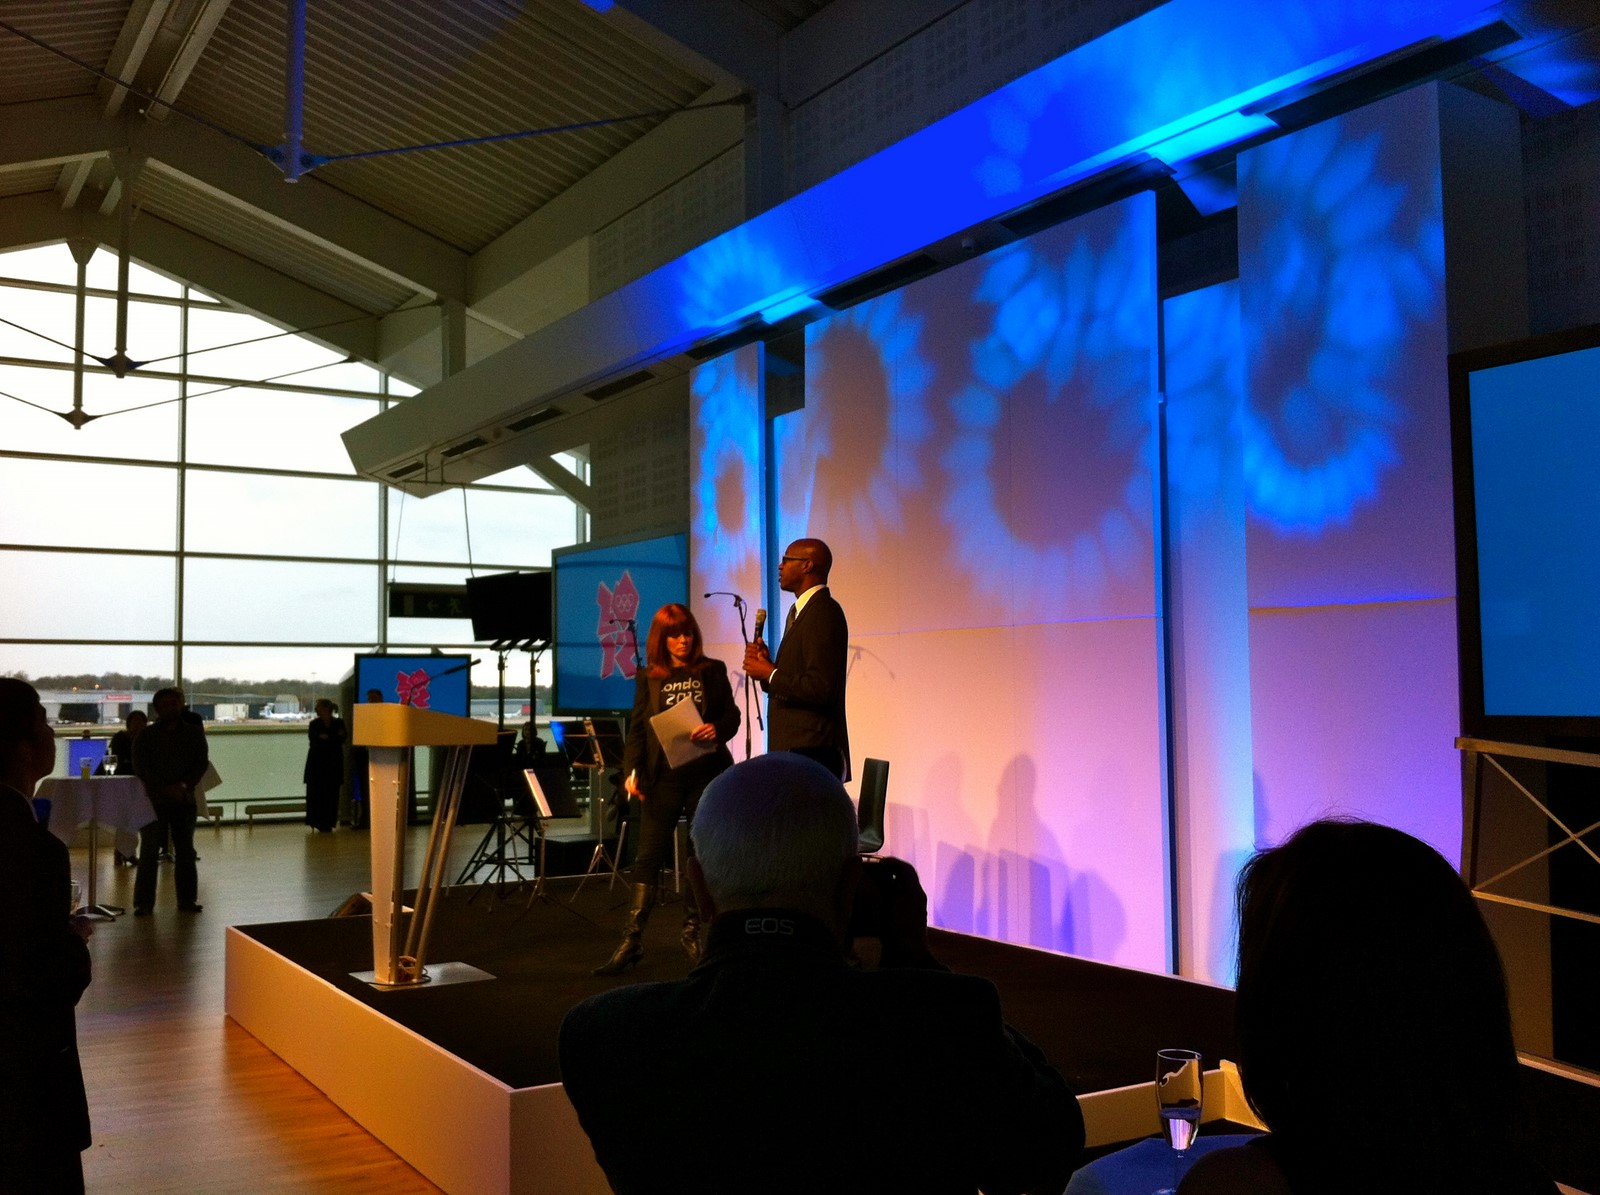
(345, 224)
(186, 54)
(50, 131)
(133, 43)
(27, 220)
(678, 146)
(60, 131)
(70, 184)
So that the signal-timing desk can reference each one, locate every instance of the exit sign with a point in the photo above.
(427, 601)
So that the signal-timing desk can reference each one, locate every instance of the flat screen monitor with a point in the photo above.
(510, 606)
(1525, 421)
(82, 751)
(438, 683)
(605, 596)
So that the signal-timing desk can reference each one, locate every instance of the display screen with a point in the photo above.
(1527, 442)
(605, 596)
(438, 683)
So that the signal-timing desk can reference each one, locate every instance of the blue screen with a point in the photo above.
(597, 591)
(1535, 448)
(438, 683)
(79, 750)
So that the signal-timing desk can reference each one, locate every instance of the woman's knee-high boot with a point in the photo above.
(631, 949)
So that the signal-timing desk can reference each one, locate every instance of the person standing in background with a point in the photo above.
(126, 850)
(170, 757)
(324, 770)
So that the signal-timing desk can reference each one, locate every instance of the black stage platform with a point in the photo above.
(1100, 1025)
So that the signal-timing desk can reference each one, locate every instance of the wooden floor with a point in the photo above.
(181, 1098)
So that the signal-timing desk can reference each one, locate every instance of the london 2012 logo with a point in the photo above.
(412, 688)
(617, 628)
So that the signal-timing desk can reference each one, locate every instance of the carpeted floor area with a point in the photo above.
(1100, 1025)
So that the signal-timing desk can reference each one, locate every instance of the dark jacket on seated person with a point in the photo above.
(776, 1067)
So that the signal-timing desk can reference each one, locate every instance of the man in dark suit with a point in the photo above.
(806, 682)
(778, 1067)
(44, 968)
(170, 757)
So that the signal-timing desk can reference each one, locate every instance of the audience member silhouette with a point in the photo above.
(1373, 1028)
(44, 968)
(778, 1067)
(122, 742)
(324, 770)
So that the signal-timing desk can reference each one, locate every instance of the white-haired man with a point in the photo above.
(778, 1067)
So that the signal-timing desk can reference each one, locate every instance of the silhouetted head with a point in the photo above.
(778, 831)
(1372, 1015)
(27, 744)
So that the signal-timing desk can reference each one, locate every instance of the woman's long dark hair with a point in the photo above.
(672, 619)
(1373, 1026)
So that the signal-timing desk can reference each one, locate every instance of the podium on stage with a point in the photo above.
(389, 732)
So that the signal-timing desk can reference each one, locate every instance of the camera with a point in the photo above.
(885, 883)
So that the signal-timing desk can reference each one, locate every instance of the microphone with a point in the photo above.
(737, 599)
(761, 621)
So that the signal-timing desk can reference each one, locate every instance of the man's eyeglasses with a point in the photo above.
(787, 559)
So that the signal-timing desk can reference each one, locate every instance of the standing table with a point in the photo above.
(117, 802)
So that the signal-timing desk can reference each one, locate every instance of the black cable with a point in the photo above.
(31, 332)
(310, 161)
(162, 402)
(131, 87)
(36, 406)
(355, 319)
(322, 159)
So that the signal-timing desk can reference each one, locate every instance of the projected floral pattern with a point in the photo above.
(1357, 263)
(727, 505)
(874, 437)
(1073, 317)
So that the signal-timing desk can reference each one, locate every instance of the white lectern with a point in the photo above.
(388, 731)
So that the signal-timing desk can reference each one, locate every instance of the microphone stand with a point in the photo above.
(749, 685)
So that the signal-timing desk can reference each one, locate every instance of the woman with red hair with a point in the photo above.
(678, 670)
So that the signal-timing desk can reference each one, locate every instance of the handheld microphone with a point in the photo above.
(761, 622)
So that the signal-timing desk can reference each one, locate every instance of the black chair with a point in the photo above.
(869, 809)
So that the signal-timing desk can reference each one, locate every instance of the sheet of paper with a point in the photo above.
(673, 727)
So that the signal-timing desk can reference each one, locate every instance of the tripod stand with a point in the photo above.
(498, 851)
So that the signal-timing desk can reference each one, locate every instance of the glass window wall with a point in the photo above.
(197, 495)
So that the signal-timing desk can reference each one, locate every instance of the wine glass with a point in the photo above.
(1178, 1103)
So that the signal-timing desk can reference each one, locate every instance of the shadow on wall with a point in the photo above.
(1019, 887)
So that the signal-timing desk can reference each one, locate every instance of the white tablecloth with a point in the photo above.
(116, 802)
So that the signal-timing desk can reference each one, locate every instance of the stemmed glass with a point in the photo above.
(1178, 1088)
